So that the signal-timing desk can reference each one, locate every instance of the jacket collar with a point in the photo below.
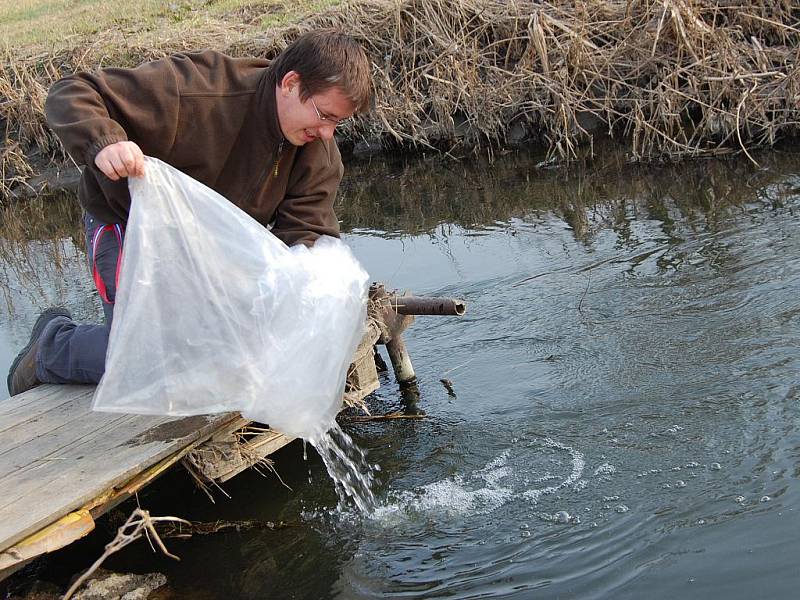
(266, 109)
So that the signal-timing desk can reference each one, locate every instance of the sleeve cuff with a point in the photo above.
(99, 144)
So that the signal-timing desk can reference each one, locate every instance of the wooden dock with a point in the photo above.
(63, 465)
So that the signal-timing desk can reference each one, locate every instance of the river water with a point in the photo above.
(623, 421)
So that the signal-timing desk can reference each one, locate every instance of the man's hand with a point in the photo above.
(122, 159)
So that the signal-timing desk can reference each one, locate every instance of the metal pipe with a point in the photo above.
(423, 305)
(401, 362)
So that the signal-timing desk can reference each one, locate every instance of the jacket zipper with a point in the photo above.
(278, 159)
(267, 172)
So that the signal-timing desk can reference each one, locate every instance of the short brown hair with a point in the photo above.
(325, 59)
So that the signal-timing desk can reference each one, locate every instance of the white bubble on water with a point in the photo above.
(739, 499)
(561, 517)
(715, 466)
(479, 493)
(579, 485)
(494, 476)
(496, 462)
(765, 498)
(451, 496)
(622, 508)
(692, 465)
(605, 469)
(680, 483)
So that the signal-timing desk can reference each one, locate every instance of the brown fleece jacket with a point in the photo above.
(211, 116)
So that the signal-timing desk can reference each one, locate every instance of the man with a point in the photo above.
(259, 133)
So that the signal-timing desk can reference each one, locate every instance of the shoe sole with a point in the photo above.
(41, 322)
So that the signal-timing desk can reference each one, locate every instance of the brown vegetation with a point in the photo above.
(674, 78)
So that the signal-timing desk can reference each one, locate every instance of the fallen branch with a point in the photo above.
(387, 417)
(184, 529)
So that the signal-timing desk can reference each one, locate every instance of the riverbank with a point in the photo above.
(670, 79)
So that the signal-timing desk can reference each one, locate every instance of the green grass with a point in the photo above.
(57, 23)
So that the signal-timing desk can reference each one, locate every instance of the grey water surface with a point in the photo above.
(624, 417)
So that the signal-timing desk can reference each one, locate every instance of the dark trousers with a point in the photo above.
(70, 352)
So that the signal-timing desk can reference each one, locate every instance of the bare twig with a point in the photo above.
(139, 523)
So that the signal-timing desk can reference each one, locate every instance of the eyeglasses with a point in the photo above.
(326, 118)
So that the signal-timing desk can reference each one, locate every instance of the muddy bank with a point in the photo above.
(670, 79)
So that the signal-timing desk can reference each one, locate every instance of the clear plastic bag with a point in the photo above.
(214, 313)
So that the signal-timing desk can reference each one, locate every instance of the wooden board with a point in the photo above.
(233, 449)
(57, 455)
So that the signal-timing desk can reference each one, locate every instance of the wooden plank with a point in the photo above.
(126, 439)
(39, 399)
(66, 530)
(62, 416)
(35, 495)
(5, 573)
(263, 446)
(72, 466)
(32, 396)
(224, 456)
(50, 492)
(55, 443)
(55, 535)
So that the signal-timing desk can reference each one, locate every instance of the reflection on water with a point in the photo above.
(625, 420)
(42, 263)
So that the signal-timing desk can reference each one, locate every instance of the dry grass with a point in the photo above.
(62, 23)
(673, 78)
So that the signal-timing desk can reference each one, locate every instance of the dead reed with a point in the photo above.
(672, 78)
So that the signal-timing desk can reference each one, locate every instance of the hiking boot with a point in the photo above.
(22, 374)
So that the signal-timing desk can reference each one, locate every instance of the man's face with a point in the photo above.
(300, 120)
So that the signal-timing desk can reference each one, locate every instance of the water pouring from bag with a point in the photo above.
(347, 465)
(258, 327)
